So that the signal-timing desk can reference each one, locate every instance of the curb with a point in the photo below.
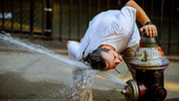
(173, 58)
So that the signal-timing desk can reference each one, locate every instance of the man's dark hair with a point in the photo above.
(96, 60)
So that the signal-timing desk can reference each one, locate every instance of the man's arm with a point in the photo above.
(150, 29)
(73, 50)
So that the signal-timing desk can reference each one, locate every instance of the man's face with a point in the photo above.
(112, 58)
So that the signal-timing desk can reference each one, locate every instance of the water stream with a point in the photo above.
(84, 75)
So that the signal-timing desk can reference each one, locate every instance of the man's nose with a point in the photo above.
(120, 57)
(118, 60)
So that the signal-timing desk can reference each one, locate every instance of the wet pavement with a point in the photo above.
(32, 76)
(26, 76)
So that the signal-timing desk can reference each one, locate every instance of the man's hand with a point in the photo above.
(150, 30)
(68, 44)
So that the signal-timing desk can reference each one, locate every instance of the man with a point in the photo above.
(110, 33)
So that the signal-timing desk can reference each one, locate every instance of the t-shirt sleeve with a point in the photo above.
(73, 50)
(128, 17)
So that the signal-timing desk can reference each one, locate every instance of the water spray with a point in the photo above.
(85, 79)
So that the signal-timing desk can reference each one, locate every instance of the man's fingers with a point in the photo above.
(146, 31)
(154, 32)
(141, 29)
(150, 30)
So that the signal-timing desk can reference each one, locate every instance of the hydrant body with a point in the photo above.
(149, 63)
(154, 87)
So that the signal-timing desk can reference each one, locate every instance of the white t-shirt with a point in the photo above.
(113, 27)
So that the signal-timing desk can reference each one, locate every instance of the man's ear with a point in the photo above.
(104, 47)
(107, 47)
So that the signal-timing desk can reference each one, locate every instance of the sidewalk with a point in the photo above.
(26, 76)
(32, 77)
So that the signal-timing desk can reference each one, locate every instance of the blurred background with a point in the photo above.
(63, 20)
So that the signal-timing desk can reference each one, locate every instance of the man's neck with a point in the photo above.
(107, 47)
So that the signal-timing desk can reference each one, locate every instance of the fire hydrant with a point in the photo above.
(149, 62)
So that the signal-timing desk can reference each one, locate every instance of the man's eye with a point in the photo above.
(114, 57)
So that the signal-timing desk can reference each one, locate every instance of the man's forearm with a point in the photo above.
(150, 29)
(140, 14)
